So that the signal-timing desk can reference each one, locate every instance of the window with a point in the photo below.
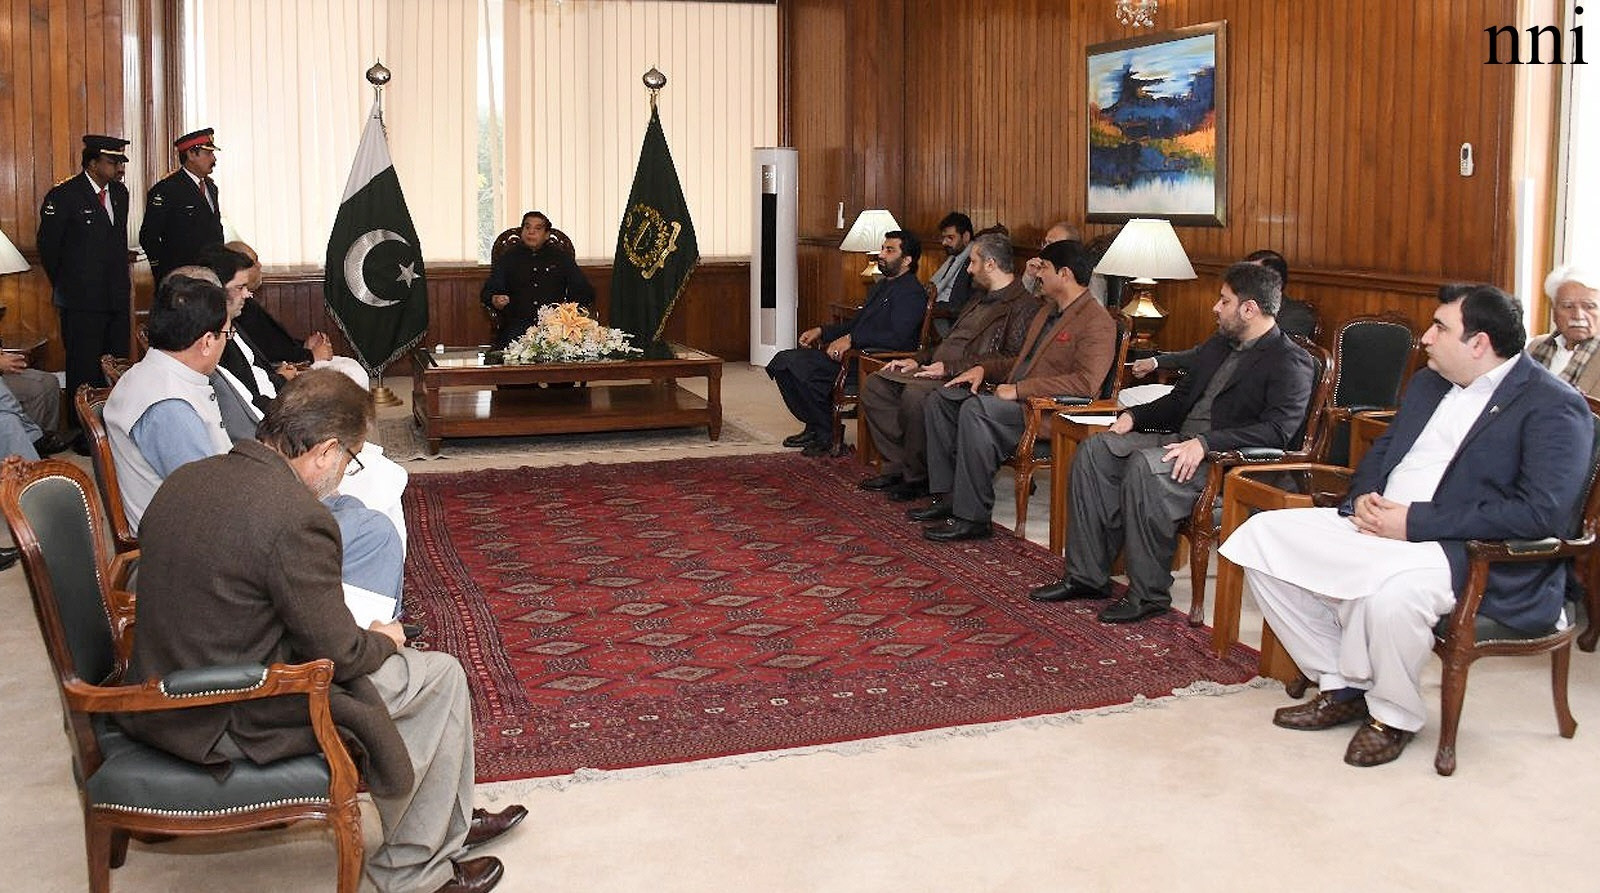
(496, 107)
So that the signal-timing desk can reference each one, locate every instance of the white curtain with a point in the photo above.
(282, 83)
(1578, 222)
(575, 111)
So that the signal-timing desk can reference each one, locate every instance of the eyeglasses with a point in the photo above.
(355, 467)
(225, 334)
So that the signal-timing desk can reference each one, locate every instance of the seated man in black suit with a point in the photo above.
(1133, 485)
(530, 274)
(891, 319)
(1294, 317)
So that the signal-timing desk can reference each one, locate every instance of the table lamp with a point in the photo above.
(11, 261)
(866, 236)
(1145, 250)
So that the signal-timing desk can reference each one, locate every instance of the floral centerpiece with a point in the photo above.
(566, 333)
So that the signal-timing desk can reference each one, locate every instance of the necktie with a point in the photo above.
(205, 190)
(105, 202)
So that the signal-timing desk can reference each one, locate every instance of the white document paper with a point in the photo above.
(1142, 393)
(1103, 420)
(368, 607)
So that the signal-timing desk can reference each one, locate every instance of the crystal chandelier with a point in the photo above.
(1137, 13)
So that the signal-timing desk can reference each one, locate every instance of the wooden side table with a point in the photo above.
(1365, 428)
(1065, 435)
(1263, 488)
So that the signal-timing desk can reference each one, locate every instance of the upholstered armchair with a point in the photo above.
(127, 787)
(1372, 357)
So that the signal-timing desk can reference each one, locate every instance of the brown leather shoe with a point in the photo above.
(1375, 744)
(1321, 712)
(478, 875)
(486, 826)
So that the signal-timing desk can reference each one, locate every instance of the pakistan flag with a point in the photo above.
(656, 248)
(374, 285)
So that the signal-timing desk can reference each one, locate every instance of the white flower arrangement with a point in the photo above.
(566, 333)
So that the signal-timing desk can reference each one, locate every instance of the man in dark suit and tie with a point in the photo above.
(83, 242)
(182, 216)
(1487, 445)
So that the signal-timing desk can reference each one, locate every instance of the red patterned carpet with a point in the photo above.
(613, 616)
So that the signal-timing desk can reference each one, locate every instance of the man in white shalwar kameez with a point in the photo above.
(1486, 445)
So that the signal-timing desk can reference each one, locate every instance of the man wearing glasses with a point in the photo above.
(239, 564)
(164, 413)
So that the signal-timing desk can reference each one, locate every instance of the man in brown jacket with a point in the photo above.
(240, 564)
(975, 421)
(987, 331)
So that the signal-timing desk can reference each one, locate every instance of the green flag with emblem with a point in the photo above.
(656, 247)
(375, 286)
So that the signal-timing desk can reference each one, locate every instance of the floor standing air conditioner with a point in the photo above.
(774, 300)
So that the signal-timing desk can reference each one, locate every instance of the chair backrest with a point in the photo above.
(926, 336)
(90, 403)
(1586, 514)
(112, 367)
(1300, 318)
(1117, 376)
(56, 522)
(513, 236)
(1314, 430)
(1373, 354)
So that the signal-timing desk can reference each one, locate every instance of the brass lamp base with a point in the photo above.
(383, 396)
(1148, 315)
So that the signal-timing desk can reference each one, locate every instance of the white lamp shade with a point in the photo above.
(1146, 249)
(866, 235)
(11, 260)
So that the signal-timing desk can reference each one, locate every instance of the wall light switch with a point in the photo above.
(840, 224)
(1466, 159)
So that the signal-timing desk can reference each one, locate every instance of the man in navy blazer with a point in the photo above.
(891, 319)
(1487, 445)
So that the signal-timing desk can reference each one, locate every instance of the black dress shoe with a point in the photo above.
(1126, 610)
(486, 825)
(882, 482)
(412, 631)
(818, 448)
(804, 438)
(80, 445)
(908, 491)
(937, 510)
(48, 445)
(9, 556)
(478, 875)
(953, 530)
(1066, 591)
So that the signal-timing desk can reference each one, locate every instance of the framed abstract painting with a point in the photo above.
(1158, 127)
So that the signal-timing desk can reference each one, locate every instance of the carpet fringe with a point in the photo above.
(507, 791)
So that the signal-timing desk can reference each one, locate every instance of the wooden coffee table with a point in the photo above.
(456, 394)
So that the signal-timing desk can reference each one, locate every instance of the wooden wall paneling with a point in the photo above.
(1344, 121)
(60, 77)
(818, 107)
(875, 81)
